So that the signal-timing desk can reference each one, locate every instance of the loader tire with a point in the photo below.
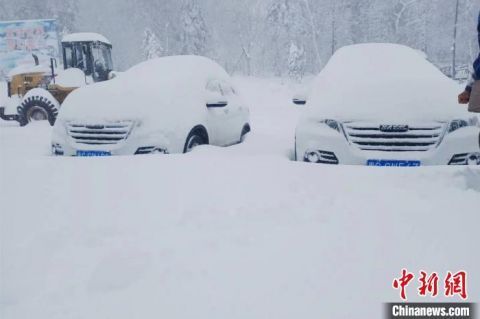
(37, 108)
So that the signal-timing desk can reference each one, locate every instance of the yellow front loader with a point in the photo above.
(37, 88)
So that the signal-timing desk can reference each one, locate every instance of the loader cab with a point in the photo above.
(89, 52)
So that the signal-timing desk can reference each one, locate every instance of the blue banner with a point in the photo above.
(20, 39)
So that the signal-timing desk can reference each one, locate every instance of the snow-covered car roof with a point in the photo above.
(85, 37)
(168, 88)
(383, 82)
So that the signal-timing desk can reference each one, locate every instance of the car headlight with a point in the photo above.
(57, 149)
(458, 124)
(332, 124)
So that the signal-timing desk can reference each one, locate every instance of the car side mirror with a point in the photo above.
(217, 102)
(299, 100)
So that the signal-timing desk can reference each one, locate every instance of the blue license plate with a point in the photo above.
(393, 163)
(93, 153)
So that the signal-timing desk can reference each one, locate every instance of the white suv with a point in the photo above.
(166, 105)
(385, 105)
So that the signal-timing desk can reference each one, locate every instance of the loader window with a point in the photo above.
(102, 54)
(68, 57)
(102, 61)
(82, 55)
(78, 55)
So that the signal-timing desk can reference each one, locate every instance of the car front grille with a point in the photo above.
(395, 138)
(99, 134)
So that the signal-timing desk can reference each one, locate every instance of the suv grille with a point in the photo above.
(395, 138)
(100, 134)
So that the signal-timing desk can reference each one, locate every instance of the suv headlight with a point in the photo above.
(57, 149)
(332, 124)
(458, 124)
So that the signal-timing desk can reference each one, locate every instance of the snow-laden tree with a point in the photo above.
(28, 9)
(4, 10)
(65, 12)
(379, 21)
(287, 23)
(466, 44)
(194, 33)
(151, 45)
(296, 62)
(410, 23)
(255, 36)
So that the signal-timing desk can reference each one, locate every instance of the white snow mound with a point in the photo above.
(169, 89)
(383, 82)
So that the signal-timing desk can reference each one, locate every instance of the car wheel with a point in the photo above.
(37, 108)
(246, 129)
(196, 138)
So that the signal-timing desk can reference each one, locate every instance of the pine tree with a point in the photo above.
(194, 34)
(151, 46)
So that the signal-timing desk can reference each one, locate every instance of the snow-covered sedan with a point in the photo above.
(165, 105)
(385, 105)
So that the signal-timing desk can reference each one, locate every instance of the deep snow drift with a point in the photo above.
(241, 232)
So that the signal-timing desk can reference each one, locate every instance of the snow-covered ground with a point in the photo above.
(10, 104)
(241, 232)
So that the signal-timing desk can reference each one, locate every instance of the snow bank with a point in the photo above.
(9, 104)
(383, 82)
(70, 78)
(3, 93)
(240, 232)
(273, 117)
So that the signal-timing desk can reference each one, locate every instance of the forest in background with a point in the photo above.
(264, 37)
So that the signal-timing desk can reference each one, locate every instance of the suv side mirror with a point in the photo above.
(299, 100)
(216, 101)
